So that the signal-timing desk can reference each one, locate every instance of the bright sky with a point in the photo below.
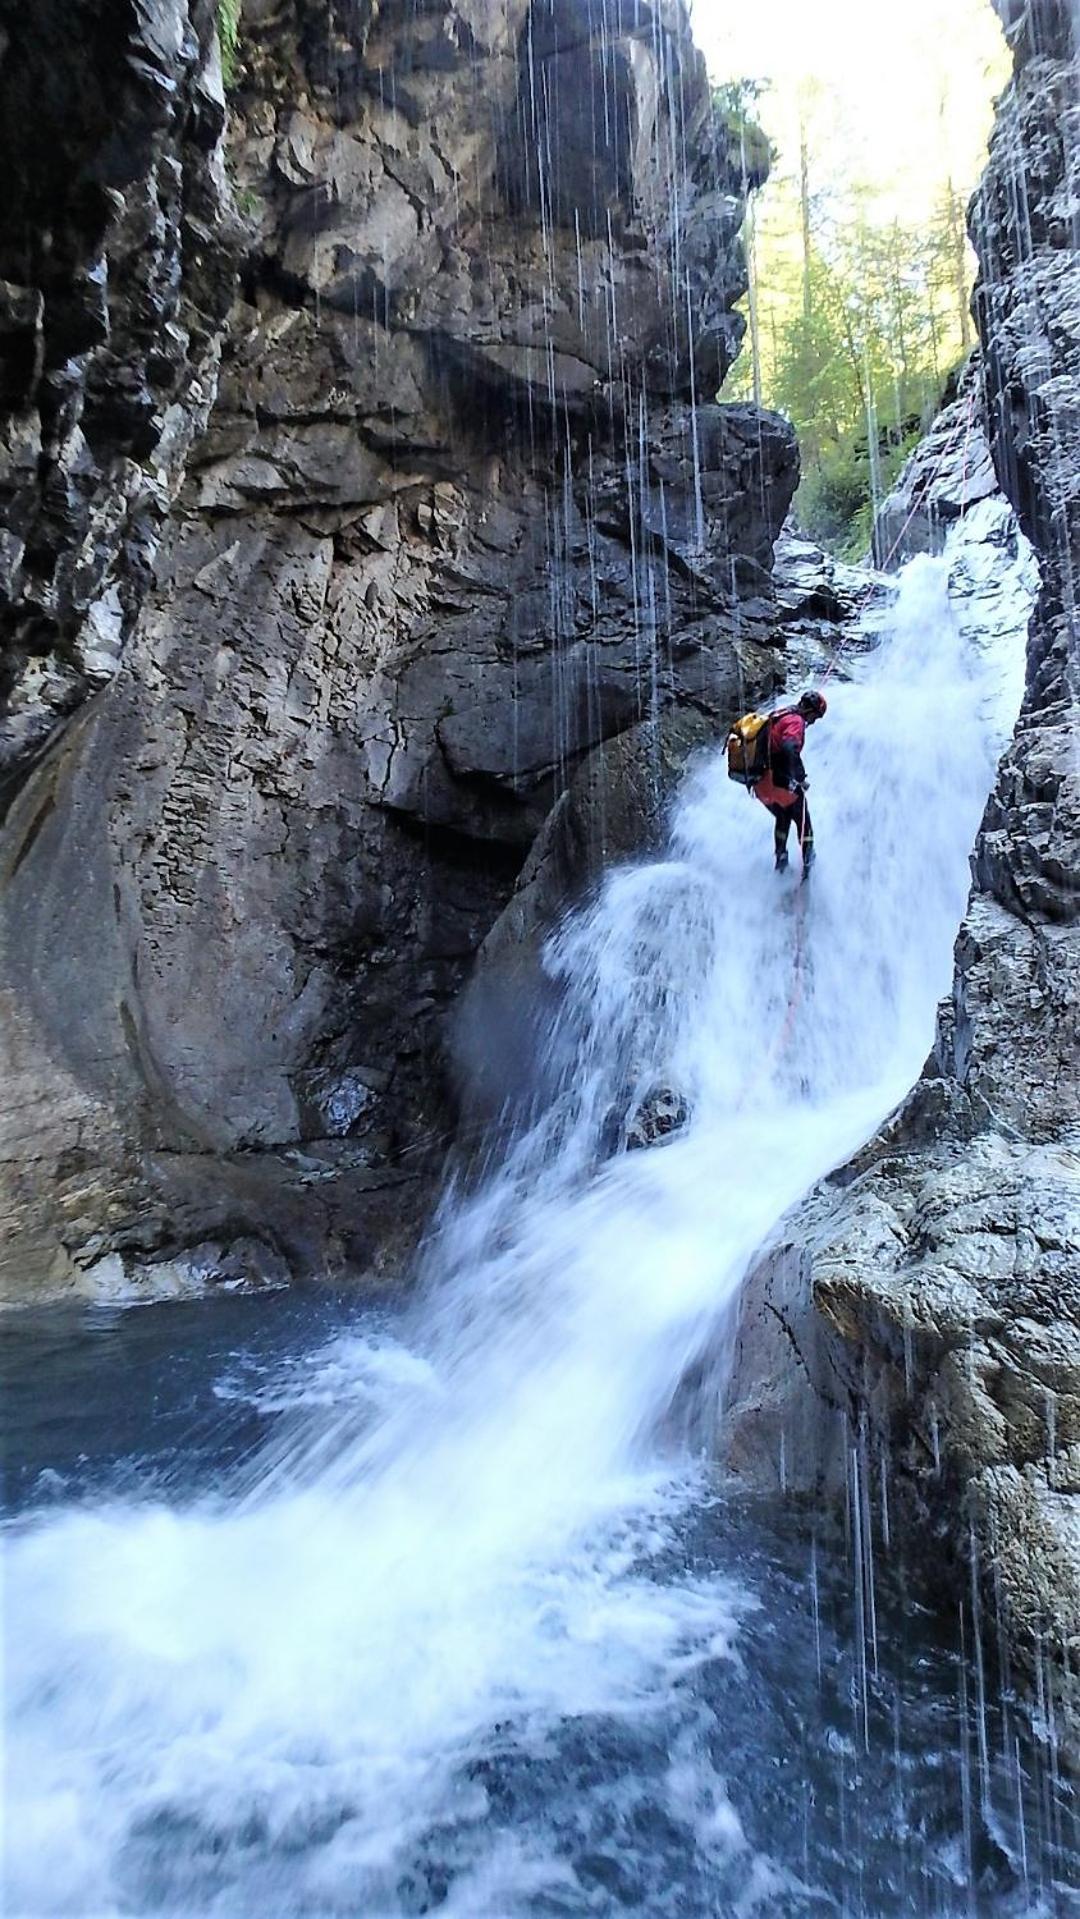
(872, 80)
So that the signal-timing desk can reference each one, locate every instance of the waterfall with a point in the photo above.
(467, 1542)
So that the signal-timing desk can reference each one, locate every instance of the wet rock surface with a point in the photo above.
(949, 471)
(660, 1114)
(616, 807)
(464, 517)
(930, 1293)
(118, 243)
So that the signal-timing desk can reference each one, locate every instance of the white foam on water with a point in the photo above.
(366, 1369)
(266, 1702)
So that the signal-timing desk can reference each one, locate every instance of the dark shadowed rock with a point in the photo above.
(117, 265)
(658, 1115)
(616, 806)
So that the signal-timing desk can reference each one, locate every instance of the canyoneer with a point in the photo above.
(765, 754)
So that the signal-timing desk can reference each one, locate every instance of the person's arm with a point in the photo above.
(788, 769)
(798, 770)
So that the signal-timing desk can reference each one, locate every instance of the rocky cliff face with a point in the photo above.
(116, 272)
(463, 512)
(932, 1290)
(949, 472)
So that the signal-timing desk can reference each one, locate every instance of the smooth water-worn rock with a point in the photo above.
(465, 515)
(931, 1292)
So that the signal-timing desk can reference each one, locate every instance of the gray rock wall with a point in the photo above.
(931, 1291)
(463, 512)
(117, 258)
(950, 470)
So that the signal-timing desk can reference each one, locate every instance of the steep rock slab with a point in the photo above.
(950, 470)
(464, 512)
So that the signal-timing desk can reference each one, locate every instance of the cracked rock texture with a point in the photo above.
(464, 516)
(117, 269)
(931, 1290)
(949, 471)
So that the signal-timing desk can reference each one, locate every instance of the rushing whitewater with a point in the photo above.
(287, 1698)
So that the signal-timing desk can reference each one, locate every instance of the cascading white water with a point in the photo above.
(266, 1703)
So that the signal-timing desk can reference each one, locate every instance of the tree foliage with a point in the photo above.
(856, 323)
(228, 26)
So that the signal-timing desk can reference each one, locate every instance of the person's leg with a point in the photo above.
(781, 827)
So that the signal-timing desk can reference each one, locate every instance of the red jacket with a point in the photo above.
(787, 732)
(788, 729)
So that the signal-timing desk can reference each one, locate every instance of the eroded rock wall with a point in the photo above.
(464, 511)
(117, 268)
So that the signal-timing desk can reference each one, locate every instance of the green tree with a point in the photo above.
(228, 26)
(854, 321)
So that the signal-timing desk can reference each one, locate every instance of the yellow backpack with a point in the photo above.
(748, 748)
